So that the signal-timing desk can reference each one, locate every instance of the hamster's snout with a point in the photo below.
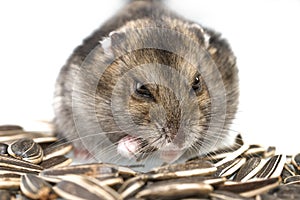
(170, 111)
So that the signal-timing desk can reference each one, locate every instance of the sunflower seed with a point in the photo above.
(3, 149)
(55, 162)
(225, 165)
(296, 161)
(97, 170)
(26, 149)
(217, 155)
(57, 150)
(238, 141)
(211, 180)
(10, 128)
(14, 163)
(130, 181)
(111, 181)
(288, 170)
(45, 139)
(191, 168)
(9, 181)
(131, 186)
(51, 179)
(78, 187)
(11, 170)
(233, 167)
(36, 188)
(175, 190)
(225, 195)
(254, 150)
(269, 152)
(233, 155)
(245, 172)
(252, 187)
(272, 168)
(11, 136)
(126, 172)
(292, 180)
(222, 153)
(289, 159)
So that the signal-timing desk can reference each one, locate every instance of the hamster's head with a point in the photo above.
(163, 104)
(152, 96)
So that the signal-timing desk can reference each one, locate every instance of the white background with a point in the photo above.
(36, 38)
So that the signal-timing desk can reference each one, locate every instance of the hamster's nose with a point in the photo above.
(170, 134)
(173, 135)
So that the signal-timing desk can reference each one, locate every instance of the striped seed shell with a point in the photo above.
(132, 186)
(232, 167)
(26, 149)
(252, 187)
(292, 180)
(10, 127)
(272, 168)
(191, 168)
(9, 181)
(14, 163)
(296, 161)
(34, 187)
(55, 162)
(247, 168)
(3, 149)
(78, 187)
(59, 149)
(175, 190)
(96, 170)
(226, 195)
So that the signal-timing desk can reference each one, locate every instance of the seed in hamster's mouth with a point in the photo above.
(128, 146)
(170, 153)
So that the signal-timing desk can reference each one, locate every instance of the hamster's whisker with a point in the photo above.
(142, 151)
(215, 126)
(60, 142)
(92, 135)
(107, 150)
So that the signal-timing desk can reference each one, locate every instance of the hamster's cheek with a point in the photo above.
(139, 112)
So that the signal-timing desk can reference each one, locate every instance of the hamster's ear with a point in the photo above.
(213, 42)
(111, 43)
(201, 33)
(117, 37)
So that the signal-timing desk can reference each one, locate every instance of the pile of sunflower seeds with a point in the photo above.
(34, 165)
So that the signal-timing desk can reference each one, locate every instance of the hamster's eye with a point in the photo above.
(142, 90)
(197, 87)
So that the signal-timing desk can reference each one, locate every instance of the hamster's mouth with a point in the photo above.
(170, 153)
(131, 147)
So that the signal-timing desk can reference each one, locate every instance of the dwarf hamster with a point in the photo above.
(146, 88)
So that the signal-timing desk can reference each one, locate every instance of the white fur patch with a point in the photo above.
(128, 146)
(106, 45)
(106, 42)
